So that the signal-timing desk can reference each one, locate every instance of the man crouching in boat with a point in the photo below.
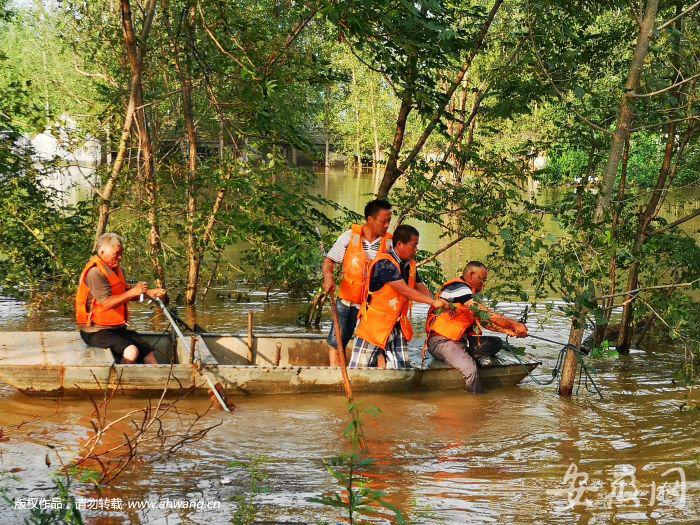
(452, 335)
(393, 283)
(101, 304)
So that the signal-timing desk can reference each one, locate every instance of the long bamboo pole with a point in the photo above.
(339, 347)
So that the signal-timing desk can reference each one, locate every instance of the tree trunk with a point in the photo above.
(109, 187)
(145, 144)
(568, 371)
(134, 90)
(155, 248)
(375, 134)
(458, 132)
(221, 140)
(391, 172)
(620, 136)
(182, 68)
(327, 127)
(356, 111)
(601, 329)
(108, 153)
(648, 215)
(652, 208)
(393, 169)
(624, 119)
(469, 124)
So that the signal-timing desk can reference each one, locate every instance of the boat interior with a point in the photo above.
(67, 348)
(281, 349)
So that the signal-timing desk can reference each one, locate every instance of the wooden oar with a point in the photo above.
(202, 371)
(339, 347)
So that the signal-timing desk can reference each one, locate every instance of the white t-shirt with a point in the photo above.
(337, 251)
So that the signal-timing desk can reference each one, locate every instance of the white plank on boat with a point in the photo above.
(50, 349)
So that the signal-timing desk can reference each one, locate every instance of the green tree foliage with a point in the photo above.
(41, 239)
(33, 44)
(269, 76)
(409, 43)
(363, 111)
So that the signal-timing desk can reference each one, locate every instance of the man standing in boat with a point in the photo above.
(355, 249)
(393, 283)
(101, 304)
(455, 336)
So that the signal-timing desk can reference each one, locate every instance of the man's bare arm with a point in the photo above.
(422, 288)
(130, 295)
(327, 268)
(416, 295)
(500, 323)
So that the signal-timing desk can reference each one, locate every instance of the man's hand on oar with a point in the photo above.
(157, 293)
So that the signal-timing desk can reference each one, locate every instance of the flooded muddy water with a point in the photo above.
(513, 455)
(516, 454)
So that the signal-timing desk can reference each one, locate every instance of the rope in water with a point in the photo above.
(583, 370)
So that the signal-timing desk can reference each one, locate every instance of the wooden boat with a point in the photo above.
(59, 363)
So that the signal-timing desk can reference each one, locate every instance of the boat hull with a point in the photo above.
(58, 363)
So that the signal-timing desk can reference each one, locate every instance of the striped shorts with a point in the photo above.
(365, 354)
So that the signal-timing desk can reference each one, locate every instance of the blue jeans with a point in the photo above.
(347, 318)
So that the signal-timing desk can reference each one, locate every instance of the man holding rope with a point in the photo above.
(455, 336)
(393, 284)
(101, 304)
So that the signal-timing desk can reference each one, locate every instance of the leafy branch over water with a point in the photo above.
(356, 497)
(246, 511)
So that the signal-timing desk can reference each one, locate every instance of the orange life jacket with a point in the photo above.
(381, 310)
(452, 325)
(96, 314)
(356, 266)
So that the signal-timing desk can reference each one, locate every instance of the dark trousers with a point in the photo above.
(484, 346)
(117, 340)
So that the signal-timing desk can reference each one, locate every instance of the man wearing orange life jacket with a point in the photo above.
(101, 304)
(355, 249)
(384, 329)
(454, 336)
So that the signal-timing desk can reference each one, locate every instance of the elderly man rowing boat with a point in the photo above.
(101, 304)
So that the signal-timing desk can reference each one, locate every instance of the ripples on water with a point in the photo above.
(444, 457)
